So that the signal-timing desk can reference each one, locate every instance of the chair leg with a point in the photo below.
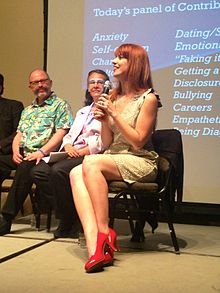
(49, 215)
(131, 223)
(129, 217)
(1, 194)
(112, 215)
(111, 222)
(38, 220)
(35, 200)
(171, 228)
(0, 198)
(138, 231)
(173, 237)
(138, 235)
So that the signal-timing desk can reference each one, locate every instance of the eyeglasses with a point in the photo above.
(35, 83)
(98, 81)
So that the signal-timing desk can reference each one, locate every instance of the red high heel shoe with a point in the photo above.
(109, 254)
(97, 261)
(112, 239)
(109, 258)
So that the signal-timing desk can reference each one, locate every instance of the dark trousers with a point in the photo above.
(19, 190)
(53, 180)
(6, 165)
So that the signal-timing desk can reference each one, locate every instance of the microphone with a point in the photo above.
(107, 87)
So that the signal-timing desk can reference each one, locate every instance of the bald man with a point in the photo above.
(41, 129)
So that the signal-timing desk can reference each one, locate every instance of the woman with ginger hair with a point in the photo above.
(128, 116)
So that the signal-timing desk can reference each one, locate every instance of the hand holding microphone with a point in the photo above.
(102, 104)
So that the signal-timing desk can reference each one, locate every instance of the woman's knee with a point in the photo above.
(90, 163)
(76, 173)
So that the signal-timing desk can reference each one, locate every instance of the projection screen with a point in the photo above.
(182, 40)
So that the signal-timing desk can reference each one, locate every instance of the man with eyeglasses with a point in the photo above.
(41, 129)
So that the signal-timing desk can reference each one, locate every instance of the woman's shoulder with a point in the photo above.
(152, 94)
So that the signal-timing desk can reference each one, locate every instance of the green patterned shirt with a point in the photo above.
(38, 123)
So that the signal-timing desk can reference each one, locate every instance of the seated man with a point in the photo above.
(10, 112)
(41, 129)
(82, 139)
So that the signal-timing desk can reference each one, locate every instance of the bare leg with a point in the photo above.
(97, 170)
(84, 208)
(90, 194)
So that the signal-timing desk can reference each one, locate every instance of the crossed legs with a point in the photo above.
(90, 194)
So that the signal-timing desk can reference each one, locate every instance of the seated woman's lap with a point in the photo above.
(103, 163)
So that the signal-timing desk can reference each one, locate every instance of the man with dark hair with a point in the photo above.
(10, 112)
(40, 131)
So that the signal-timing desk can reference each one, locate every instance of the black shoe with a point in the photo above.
(5, 226)
(138, 235)
(66, 231)
(152, 220)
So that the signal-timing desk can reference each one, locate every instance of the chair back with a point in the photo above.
(168, 144)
